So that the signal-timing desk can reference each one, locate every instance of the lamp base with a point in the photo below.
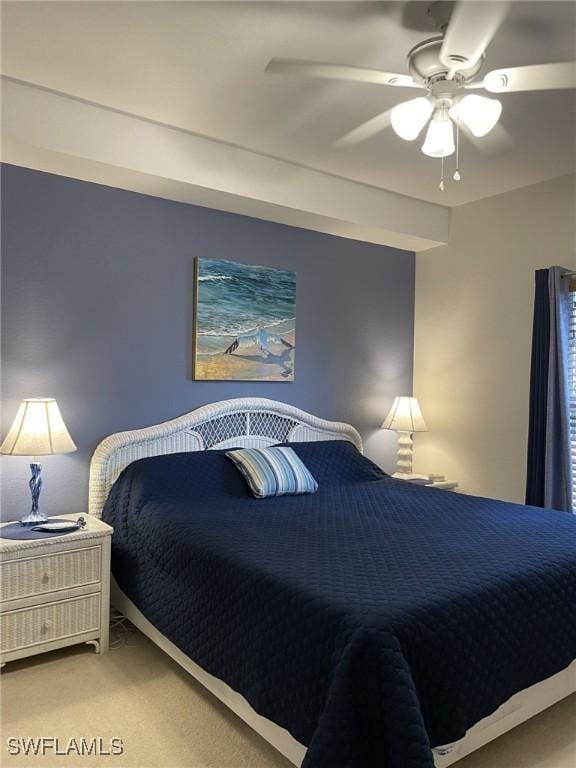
(409, 476)
(404, 462)
(35, 517)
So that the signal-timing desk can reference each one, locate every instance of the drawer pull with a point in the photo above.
(47, 576)
(47, 625)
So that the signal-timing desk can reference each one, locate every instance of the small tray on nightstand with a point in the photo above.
(445, 485)
(60, 526)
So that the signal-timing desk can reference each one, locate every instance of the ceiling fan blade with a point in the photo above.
(365, 131)
(533, 77)
(475, 85)
(470, 30)
(339, 72)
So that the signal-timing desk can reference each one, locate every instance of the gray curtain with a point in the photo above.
(549, 476)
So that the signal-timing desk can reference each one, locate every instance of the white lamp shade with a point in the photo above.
(405, 416)
(478, 113)
(410, 117)
(439, 140)
(37, 430)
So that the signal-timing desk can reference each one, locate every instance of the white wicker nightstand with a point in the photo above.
(55, 591)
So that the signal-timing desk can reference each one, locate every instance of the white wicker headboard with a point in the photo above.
(244, 422)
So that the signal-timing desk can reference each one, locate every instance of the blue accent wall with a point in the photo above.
(97, 305)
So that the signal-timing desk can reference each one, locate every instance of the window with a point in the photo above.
(572, 387)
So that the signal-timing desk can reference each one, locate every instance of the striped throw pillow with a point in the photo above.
(276, 471)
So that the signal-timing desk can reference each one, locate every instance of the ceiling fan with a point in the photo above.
(444, 67)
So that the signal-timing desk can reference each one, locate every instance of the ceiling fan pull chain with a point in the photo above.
(441, 185)
(457, 176)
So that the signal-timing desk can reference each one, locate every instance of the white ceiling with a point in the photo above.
(200, 66)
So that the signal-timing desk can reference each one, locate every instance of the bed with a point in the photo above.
(372, 623)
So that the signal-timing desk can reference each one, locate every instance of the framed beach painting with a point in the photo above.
(245, 322)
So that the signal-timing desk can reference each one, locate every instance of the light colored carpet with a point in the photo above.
(167, 720)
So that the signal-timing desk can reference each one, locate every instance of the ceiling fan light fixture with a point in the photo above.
(478, 113)
(439, 140)
(408, 119)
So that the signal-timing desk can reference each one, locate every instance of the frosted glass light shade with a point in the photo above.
(478, 113)
(37, 430)
(410, 117)
(405, 416)
(439, 140)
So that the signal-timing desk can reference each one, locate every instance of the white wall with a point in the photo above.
(474, 301)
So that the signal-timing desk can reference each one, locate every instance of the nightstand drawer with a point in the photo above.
(37, 575)
(42, 624)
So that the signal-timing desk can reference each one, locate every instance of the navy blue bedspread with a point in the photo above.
(374, 619)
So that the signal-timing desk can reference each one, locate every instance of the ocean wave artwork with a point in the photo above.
(245, 322)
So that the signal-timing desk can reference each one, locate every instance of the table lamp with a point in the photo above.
(405, 417)
(37, 430)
